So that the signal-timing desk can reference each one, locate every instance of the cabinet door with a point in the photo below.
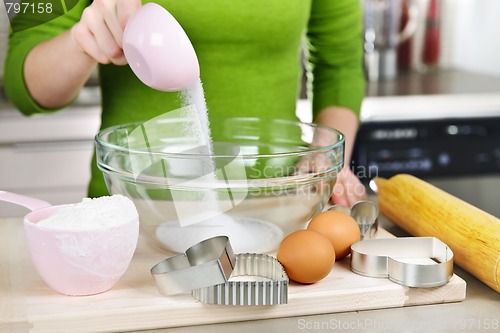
(57, 172)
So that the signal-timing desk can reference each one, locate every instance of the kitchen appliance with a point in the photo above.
(452, 141)
(382, 35)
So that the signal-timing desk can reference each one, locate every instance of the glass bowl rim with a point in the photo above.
(341, 139)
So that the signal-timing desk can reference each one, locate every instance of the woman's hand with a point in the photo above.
(56, 69)
(99, 33)
(348, 189)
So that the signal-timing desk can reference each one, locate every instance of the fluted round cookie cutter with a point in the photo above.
(411, 261)
(272, 290)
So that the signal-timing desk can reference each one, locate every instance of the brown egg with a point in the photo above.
(340, 228)
(307, 256)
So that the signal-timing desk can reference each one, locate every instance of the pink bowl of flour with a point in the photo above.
(84, 248)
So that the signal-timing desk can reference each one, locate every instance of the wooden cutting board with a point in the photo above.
(27, 303)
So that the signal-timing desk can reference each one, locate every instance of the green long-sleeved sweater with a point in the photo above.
(249, 55)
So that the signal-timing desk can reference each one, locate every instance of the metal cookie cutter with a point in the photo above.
(273, 290)
(207, 263)
(411, 261)
(366, 215)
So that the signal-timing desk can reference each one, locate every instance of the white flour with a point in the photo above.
(103, 212)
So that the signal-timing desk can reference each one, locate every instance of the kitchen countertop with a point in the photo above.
(478, 312)
(440, 82)
(444, 81)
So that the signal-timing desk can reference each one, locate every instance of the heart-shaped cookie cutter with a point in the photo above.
(204, 264)
(411, 261)
(365, 213)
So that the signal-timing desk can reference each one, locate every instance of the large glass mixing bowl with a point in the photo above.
(256, 180)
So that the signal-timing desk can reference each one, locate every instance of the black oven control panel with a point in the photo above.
(428, 148)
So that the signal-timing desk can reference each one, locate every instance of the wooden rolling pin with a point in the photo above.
(422, 209)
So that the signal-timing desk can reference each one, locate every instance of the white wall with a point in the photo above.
(475, 37)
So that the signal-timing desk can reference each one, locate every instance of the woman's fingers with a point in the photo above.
(103, 36)
(100, 30)
(124, 10)
(313, 163)
(109, 12)
(87, 43)
(348, 189)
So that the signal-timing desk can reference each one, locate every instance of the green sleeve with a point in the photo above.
(28, 30)
(335, 49)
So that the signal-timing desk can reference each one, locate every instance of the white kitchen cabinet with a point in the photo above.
(46, 156)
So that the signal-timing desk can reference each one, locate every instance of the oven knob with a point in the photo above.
(444, 159)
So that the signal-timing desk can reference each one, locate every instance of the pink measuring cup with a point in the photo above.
(158, 50)
(76, 262)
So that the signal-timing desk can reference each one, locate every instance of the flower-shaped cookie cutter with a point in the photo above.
(365, 213)
(204, 264)
(411, 261)
(271, 290)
